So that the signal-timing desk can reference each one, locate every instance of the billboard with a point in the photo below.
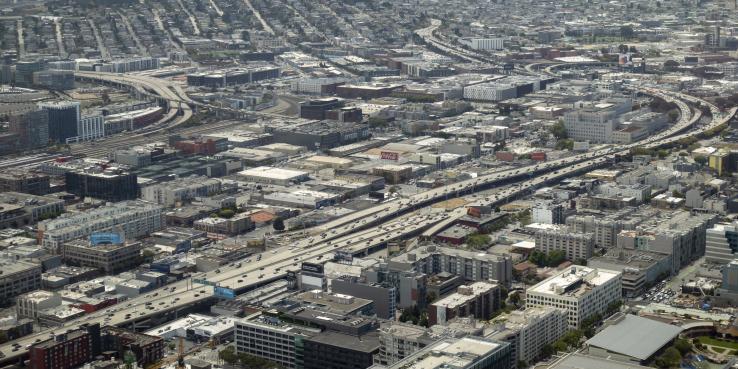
(389, 155)
(105, 238)
(312, 268)
(225, 293)
(344, 256)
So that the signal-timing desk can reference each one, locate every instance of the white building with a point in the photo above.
(722, 243)
(548, 213)
(576, 245)
(89, 128)
(529, 330)
(181, 190)
(135, 218)
(490, 91)
(273, 175)
(582, 291)
(484, 43)
(30, 304)
(595, 121)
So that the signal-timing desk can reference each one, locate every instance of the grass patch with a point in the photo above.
(719, 350)
(732, 345)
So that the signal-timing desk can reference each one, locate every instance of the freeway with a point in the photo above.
(356, 235)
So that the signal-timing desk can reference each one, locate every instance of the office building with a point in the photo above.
(19, 181)
(233, 76)
(548, 213)
(722, 243)
(63, 119)
(180, 190)
(134, 218)
(595, 121)
(18, 277)
(383, 296)
(577, 246)
(484, 43)
(582, 291)
(24, 71)
(727, 294)
(336, 350)
(108, 257)
(270, 338)
(109, 184)
(478, 300)
(323, 135)
(458, 353)
(529, 331)
(316, 109)
(59, 80)
(640, 269)
(32, 128)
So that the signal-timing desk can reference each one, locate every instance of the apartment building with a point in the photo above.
(134, 218)
(576, 245)
(529, 330)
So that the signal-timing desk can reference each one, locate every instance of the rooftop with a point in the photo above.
(574, 281)
(635, 336)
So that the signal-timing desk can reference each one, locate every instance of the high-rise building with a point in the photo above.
(63, 119)
(722, 243)
(24, 72)
(583, 291)
(32, 128)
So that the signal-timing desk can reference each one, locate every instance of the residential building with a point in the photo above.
(22, 209)
(577, 246)
(479, 300)
(458, 353)
(529, 331)
(134, 218)
(399, 340)
(67, 350)
(582, 291)
(471, 265)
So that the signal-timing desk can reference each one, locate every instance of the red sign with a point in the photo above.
(389, 155)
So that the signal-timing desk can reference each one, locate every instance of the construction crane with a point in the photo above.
(179, 358)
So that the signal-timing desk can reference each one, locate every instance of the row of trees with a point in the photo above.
(245, 360)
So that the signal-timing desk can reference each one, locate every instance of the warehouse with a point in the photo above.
(273, 175)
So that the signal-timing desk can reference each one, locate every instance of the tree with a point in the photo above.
(105, 98)
(478, 241)
(558, 130)
(684, 346)
(626, 32)
(701, 160)
(556, 257)
(669, 359)
(514, 299)
(228, 355)
(278, 224)
(226, 213)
